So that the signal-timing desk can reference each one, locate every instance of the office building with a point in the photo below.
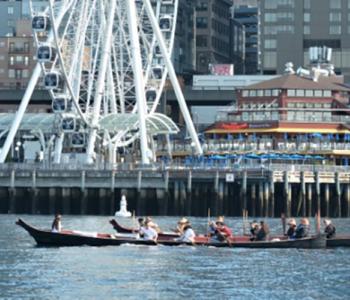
(248, 16)
(290, 27)
(212, 33)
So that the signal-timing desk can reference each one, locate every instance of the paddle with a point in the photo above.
(283, 219)
(318, 222)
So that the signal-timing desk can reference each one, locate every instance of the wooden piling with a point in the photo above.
(261, 199)
(318, 192)
(326, 197)
(309, 200)
(272, 197)
(253, 199)
(338, 194)
(266, 199)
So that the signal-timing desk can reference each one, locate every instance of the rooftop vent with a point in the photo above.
(289, 68)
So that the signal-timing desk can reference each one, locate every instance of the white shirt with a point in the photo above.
(148, 233)
(188, 236)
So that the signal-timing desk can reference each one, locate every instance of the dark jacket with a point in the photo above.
(330, 231)
(301, 231)
(291, 232)
(263, 233)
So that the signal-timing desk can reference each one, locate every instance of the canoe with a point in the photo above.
(161, 235)
(338, 241)
(78, 238)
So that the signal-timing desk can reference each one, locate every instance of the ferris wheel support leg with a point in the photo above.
(20, 112)
(173, 79)
(90, 152)
(58, 148)
(138, 78)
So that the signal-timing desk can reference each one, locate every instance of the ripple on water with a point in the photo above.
(142, 272)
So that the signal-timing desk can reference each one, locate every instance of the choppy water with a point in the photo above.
(142, 272)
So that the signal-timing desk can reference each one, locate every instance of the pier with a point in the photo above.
(265, 191)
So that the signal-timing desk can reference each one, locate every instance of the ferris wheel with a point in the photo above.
(105, 64)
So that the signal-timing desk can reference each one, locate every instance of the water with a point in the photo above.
(142, 272)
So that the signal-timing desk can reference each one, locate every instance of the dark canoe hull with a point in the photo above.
(339, 241)
(70, 238)
(121, 229)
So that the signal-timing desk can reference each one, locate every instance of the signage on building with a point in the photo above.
(261, 125)
(221, 69)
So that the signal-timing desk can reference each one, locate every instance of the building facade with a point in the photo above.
(17, 57)
(290, 27)
(212, 33)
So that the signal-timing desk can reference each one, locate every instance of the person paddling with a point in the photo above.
(329, 229)
(56, 224)
(292, 227)
(222, 231)
(147, 232)
(263, 233)
(188, 235)
(303, 229)
(181, 224)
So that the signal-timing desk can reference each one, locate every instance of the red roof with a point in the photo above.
(292, 81)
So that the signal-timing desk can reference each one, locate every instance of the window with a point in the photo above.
(10, 10)
(291, 93)
(252, 93)
(335, 4)
(12, 60)
(307, 17)
(275, 92)
(270, 44)
(244, 93)
(267, 93)
(270, 60)
(19, 59)
(306, 29)
(335, 29)
(307, 4)
(11, 73)
(300, 93)
(18, 74)
(270, 4)
(260, 93)
(25, 73)
(202, 41)
(270, 17)
(345, 58)
(327, 93)
(335, 17)
(202, 22)
(309, 93)
(202, 6)
(318, 93)
(26, 60)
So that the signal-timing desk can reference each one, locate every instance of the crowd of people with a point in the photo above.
(218, 231)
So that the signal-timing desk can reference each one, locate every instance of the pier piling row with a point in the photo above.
(264, 193)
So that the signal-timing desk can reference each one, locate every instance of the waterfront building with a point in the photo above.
(289, 28)
(294, 113)
(249, 17)
(212, 33)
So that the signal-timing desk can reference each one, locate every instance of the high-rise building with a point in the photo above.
(248, 16)
(290, 27)
(16, 57)
(10, 12)
(183, 53)
(212, 33)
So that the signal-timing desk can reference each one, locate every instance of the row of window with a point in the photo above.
(273, 4)
(220, 45)
(290, 93)
(308, 105)
(260, 105)
(340, 59)
(260, 93)
(309, 93)
(18, 74)
(19, 60)
(274, 17)
(272, 30)
(220, 27)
